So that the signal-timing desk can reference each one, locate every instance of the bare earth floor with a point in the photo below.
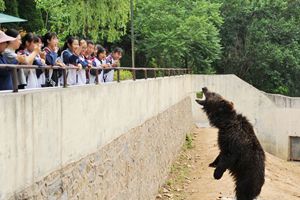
(192, 179)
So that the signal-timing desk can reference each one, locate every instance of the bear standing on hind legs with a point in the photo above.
(240, 150)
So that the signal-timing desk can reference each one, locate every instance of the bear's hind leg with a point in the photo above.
(245, 190)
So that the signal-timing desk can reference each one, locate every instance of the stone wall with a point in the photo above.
(131, 167)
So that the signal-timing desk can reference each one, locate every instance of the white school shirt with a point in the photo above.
(32, 80)
(109, 76)
(98, 65)
(81, 75)
(71, 73)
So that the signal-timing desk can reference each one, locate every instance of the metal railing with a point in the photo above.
(145, 72)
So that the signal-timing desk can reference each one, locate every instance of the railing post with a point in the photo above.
(97, 76)
(118, 74)
(156, 72)
(65, 77)
(134, 74)
(15, 82)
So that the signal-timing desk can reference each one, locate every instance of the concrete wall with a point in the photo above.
(45, 131)
(284, 101)
(133, 166)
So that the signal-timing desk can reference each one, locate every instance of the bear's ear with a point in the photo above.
(226, 106)
(201, 102)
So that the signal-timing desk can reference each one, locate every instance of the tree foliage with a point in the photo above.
(256, 40)
(262, 44)
(2, 5)
(27, 10)
(178, 33)
(11, 7)
(96, 19)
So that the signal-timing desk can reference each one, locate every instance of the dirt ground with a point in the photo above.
(191, 178)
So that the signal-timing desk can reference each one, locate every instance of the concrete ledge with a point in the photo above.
(284, 101)
(44, 130)
(131, 167)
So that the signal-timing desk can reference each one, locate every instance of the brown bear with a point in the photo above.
(240, 150)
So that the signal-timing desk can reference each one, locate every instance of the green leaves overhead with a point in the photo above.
(179, 34)
(262, 44)
(257, 40)
(97, 19)
(2, 5)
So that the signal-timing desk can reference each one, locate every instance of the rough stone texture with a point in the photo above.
(133, 166)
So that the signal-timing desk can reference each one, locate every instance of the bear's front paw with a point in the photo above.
(213, 165)
(218, 174)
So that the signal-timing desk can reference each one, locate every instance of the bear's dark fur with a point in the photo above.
(240, 150)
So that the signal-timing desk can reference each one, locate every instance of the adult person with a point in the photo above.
(12, 58)
(5, 74)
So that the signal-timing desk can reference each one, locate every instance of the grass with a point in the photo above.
(179, 172)
(188, 141)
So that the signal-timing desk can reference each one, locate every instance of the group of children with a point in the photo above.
(88, 59)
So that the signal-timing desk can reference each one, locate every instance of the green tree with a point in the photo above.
(2, 5)
(96, 19)
(27, 10)
(179, 34)
(11, 7)
(261, 43)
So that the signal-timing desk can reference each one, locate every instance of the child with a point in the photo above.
(70, 57)
(89, 56)
(30, 45)
(81, 74)
(114, 61)
(53, 77)
(99, 62)
(42, 56)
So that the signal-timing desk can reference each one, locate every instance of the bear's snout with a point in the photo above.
(204, 89)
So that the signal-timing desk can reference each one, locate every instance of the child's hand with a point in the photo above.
(21, 59)
(61, 64)
(43, 61)
(116, 64)
(37, 48)
(43, 55)
(105, 66)
(79, 67)
(90, 64)
(56, 49)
